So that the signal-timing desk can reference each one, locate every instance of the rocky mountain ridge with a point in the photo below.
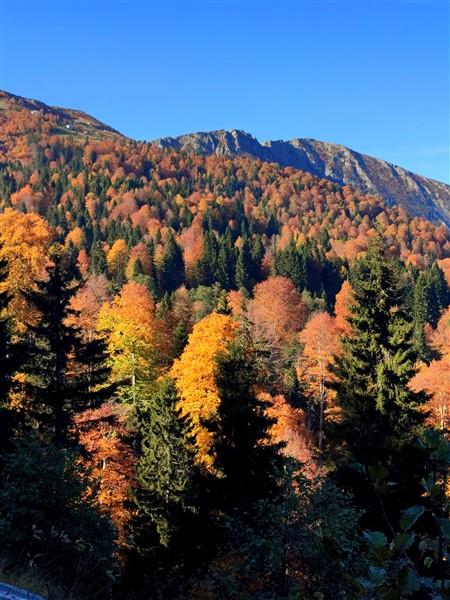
(420, 195)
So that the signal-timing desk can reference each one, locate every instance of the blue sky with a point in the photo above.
(370, 74)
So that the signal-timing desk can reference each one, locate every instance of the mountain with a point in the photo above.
(68, 121)
(420, 195)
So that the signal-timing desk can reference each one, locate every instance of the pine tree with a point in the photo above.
(64, 374)
(226, 262)
(431, 295)
(247, 463)
(166, 531)
(438, 294)
(98, 259)
(170, 273)
(290, 262)
(8, 361)
(244, 265)
(206, 271)
(257, 255)
(420, 300)
(375, 440)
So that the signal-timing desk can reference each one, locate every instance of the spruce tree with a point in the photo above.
(247, 463)
(438, 294)
(374, 444)
(170, 273)
(206, 270)
(244, 265)
(8, 361)
(65, 375)
(420, 298)
(226, 262)
(166, 533)
(98, 259)
(290, 262)
(257, 255)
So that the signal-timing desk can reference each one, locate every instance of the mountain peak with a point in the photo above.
(420, 195)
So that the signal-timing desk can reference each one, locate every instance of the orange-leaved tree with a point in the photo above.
(321, 343)
(435, 377)
(103, 433)
(344, 300)
(277, 313)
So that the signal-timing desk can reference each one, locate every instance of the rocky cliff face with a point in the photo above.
(419, 195)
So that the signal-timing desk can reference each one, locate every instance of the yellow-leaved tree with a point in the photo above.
(128, 322)
(25, 241)
(194, 374)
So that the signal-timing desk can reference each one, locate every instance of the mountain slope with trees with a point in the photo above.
(219, 377)
(420, 196)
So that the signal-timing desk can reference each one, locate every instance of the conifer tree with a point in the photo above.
(375, 447)
(208, 263)
(247, 463)
(244, 265)
(64, 374)
(438, 294)
(98, 259)
(257, 255)
(226, 262)
(8, 360)
(420, 299)
(290, 262)
(165, 532)
(171, 269)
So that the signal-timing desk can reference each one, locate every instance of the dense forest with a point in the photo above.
(219, 378)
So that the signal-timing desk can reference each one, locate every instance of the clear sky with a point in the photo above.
(370, 74)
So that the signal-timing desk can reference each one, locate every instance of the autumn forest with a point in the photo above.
(220, 378)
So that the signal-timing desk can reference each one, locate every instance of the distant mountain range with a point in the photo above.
(419, 195)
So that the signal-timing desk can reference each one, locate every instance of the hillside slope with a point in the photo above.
(421, 196)
(67, 121)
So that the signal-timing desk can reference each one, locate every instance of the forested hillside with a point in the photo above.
(419, 195)
(219, 377)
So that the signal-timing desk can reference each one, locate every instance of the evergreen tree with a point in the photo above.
(438, 294)
(166, 531)
(332, 282)
(226, 262)
(50, 524)
(138, 269)
(98, 259)
(170, 273)
(244, 265)
(64, 374)
(257, 255)
(375, 448)
(431, 295)
(290, 263)
(324, 238)
(247, 463)
(420, 315)
(207, 267)
(8, 361)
